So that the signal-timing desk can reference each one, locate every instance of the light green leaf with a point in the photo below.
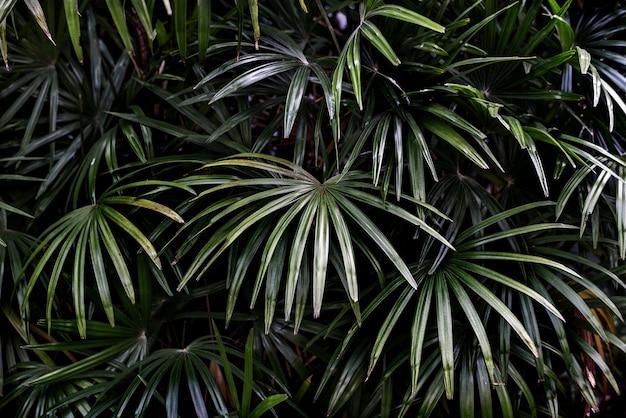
(40, 18)
(584, 59)
(518, 257)
(6, 6)
(168, 7)
(4, 47)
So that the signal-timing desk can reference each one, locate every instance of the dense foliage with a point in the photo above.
(351, 209)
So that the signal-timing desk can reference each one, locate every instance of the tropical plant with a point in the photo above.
(375, 208)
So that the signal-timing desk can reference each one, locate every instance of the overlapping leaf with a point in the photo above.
(286, 188)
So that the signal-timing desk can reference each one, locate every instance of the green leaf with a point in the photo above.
(418, 331)
(392, 317)
(592, 198)
(485, 294)
(171, 397)
(116, 256)
(119, 18)
(476, 323)
(267, 404)
(527, 143)
(180, 27)
(375, 36)
(297, 252)
(295, 95)
(9, 208)
(379, 146)
(327, 87)
(143, 203)
(353, 59)
(98, 264)
(254, 75)
(444, 332)
(467, 396)
(133, 140)
(404, 14)
(610, 93)
(246, 394)
(227, 368)
(145, 17)
(273, 241)
(484, 61)
(322, 248)
(134, 232)
(204, 28)
(510, 282)
(65, 373)
(378, 237)
(342, 230)
(452, 137)
(272, 284)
